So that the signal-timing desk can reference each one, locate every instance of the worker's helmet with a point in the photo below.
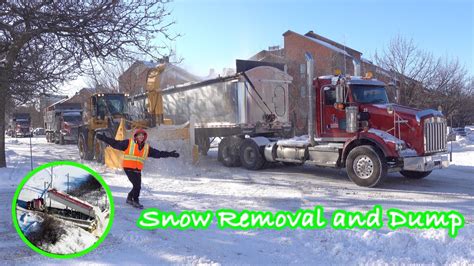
(140, 131)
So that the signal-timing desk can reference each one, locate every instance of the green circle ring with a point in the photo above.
(63, 256)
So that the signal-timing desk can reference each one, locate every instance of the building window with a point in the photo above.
(303, 91)
(302, 71)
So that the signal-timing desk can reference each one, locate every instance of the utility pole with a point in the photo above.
(31, 153)
(51, 184)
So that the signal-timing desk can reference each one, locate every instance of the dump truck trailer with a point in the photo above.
(252, 102)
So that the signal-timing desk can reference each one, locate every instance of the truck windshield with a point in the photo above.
(116, 104)
(369, 94)
(72, 118)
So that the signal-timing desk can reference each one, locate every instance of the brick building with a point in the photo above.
(133, 80)
(328, 56)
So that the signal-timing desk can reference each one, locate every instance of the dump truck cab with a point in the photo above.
(356, 111)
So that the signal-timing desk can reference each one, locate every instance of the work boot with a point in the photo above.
(137, 204)
(129, 201)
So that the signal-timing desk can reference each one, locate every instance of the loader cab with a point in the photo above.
(110, 104)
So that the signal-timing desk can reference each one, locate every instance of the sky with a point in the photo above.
(216, 32)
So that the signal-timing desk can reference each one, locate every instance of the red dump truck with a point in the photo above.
(20, 124)
(61, 121)
(351, 123)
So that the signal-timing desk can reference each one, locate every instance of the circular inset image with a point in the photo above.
(63, 209)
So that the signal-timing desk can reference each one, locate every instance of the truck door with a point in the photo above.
(333, 120)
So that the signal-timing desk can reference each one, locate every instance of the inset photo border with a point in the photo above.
(60, 210)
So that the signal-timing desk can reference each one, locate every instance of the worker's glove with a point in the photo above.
(173, 154)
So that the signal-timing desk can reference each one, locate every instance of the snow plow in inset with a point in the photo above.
(77, 211)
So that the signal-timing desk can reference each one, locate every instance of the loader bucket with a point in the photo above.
(163, 137)
(113, 157)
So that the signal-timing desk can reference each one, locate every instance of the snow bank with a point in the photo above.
(75, 240)
(462, 144)
(399, 247)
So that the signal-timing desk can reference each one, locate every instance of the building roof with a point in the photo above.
(329, 41)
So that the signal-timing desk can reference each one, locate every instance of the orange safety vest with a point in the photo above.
(134, 158)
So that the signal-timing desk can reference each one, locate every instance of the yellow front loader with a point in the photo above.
(158, 127)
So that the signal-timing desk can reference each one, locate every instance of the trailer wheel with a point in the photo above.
(366, 166)
(250, 155)
(414, 174)
(228, 151)
(84, 153)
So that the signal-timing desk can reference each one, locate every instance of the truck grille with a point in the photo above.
(435, 135)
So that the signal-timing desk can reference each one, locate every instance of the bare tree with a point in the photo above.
(106, 75)
(44, 43)
(447, 88)
(411, 67)
(424, 81)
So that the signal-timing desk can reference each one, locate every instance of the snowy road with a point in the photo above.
(172, 185)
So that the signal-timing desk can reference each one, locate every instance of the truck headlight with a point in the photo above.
(400, 146)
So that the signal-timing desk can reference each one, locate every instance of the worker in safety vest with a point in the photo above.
(135, 152)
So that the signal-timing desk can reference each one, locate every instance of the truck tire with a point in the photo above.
(250, 155)
(99, 153)
(84, 152)
(228, 151)
(204, 144)
(366, 166)
(414, 174)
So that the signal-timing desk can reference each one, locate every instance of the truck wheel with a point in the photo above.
(204, 144)
(228, 151)
(366, 166)
(250, 155)
(414, 174)
(84, 153)
(99, 151)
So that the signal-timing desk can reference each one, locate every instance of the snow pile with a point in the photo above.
(462, 144)
(401, 246)
(75, 240)
(101, 221)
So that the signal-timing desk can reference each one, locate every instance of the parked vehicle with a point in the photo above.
(39, 131)
(460, 131)
(20, 125)
(61, 121)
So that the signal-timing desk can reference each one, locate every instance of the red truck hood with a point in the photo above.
(411, 132)
(399, 109)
